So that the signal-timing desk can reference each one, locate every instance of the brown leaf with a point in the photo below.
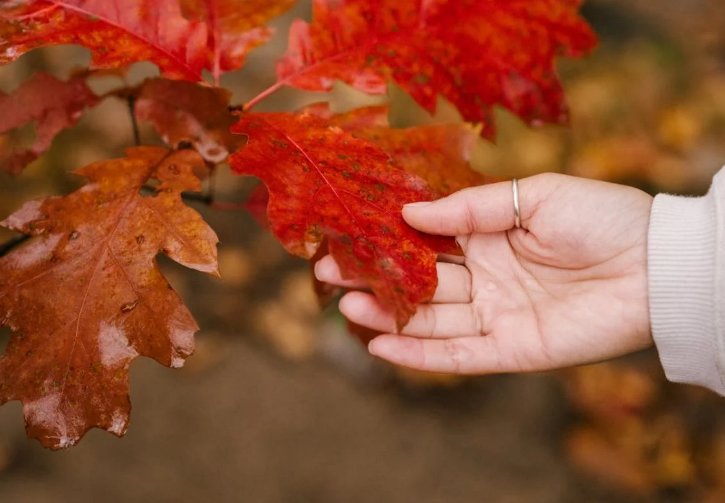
(52, 104)
(84, 297)
(186, 112)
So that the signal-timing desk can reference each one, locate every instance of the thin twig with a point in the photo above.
(264, 94)
(134, 122)
(205, 199)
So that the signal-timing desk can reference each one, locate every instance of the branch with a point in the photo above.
(205, 199)
(131, 99)
(263, 95)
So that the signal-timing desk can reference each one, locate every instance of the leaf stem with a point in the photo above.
(263, 95)
(8, 246)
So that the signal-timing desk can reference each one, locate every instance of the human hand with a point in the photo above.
(568, 288)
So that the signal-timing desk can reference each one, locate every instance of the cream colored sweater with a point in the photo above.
(686, 263)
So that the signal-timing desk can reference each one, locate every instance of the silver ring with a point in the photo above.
(517, 209)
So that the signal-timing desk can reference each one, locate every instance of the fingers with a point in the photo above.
(487, 208)
(468, 355)
(327, 270)
(454, 284)
(454, 281)
(430, 320)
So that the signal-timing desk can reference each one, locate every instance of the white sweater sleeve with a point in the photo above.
(686, 266)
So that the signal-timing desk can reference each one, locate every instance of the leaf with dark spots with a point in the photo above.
(53, 105)
(312, 198)
(84, 295)
(185, 112)
(438, 153)
(475, 53)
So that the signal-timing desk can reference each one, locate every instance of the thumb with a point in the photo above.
(487, 208)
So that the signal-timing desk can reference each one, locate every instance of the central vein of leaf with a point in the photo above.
(103, 247)
(155, 45)
(317, 168)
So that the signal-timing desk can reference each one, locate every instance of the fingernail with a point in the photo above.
(320, 270)
(419, 204)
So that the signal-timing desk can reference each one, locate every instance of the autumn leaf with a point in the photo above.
(216, 35)
(84, 296)
(326, 184)
(235, 27)
(438, 153)
(51, 104)
(475, 53)
(184, 112)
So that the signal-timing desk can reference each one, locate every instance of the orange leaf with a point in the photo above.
(84, 297)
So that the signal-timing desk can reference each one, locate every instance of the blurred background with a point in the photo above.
(279, 404)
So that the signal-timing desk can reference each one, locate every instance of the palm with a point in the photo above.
(539, 312)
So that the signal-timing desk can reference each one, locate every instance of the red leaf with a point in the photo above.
(216, 36)
(475, 53)
(438, 153)
(52, 104)
(256, 204)
(324, 183)
(235, 27)
(84, 297)
(186, 112)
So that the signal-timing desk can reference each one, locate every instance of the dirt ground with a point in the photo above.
(278, 405)
(260, 430)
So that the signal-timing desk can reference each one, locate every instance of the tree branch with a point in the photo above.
(263, 95)
(131, 99)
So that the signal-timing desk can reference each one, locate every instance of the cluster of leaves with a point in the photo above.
(84, 296)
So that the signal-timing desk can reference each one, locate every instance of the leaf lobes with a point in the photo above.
(84, 296)
(325, 183)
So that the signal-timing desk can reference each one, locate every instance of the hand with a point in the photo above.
(568, 288)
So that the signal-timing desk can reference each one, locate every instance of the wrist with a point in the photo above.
(682, 256)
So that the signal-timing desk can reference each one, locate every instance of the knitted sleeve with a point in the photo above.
(686, 266)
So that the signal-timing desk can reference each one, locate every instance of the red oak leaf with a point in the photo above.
(52, 104)
(325, 183)
(120, 32)
(438, 153)
(235, 27)
(475, 53)
(84, 297)
(186, 112)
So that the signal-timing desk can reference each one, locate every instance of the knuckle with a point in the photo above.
(458, 355)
